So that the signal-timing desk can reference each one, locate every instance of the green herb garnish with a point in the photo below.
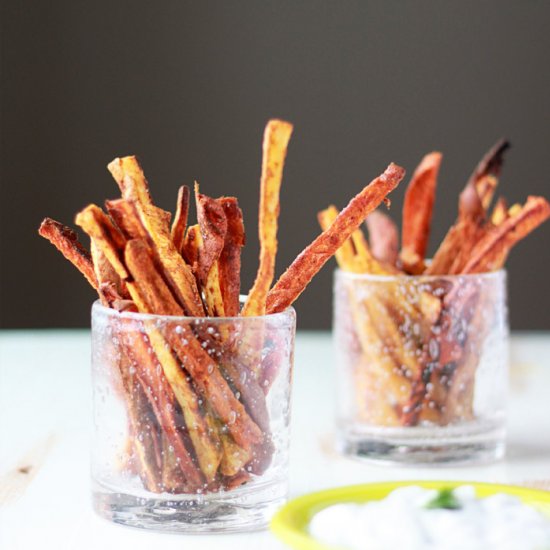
(445, 499)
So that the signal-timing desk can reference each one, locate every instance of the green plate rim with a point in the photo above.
(290, 522)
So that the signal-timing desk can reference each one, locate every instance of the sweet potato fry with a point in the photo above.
(229, 263)
(154, 296)
(66, 241)
(417, 212)
(180, 219)
(138, 347)
(383, 237)
(345, 255)
(111, 285)
(129, 176)
(155, 222)
(276, 138)
(108, 238)
(145, 458)
(191, 243)
(484, 176)
(212, 295)
(211, 383)
(456, 248)
(213, 228)
(491, 253)
(294, 280)
(500, 211)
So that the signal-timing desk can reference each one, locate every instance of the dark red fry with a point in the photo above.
(229, 263)
(180, 219)
(418, 208)
(66, 241)
(295, 279)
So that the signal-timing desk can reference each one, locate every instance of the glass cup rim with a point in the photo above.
(288, 313)
(375, 277)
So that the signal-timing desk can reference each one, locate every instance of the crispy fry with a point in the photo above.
(155, 222)
(294, 280)
(417, 212)
(383, 237)
(126, 218)
(276, 137)
(500, 211)
(229, 263)
(66, 241)
(456, 248)
(345, 255)
(180, 219)
(107, 237)
(492, 251)
(211, 383)
(129, 176)
(213, 228)
(484, 176)
(191, 243)
(138, 347)
(145, 459)
(212, 294)
(515, 209)
(154, 296)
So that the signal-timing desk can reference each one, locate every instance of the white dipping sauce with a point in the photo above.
(401, 521)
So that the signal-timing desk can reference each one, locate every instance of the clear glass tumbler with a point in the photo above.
(191, 419)
(422, 366)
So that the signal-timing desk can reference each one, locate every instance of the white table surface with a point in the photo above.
(44, 419)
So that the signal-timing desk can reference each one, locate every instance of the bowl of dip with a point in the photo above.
(417, 515)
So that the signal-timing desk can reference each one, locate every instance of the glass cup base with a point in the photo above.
(479, 443)
(244, 509)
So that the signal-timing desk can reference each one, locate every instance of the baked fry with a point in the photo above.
(492, 251)
(294, 280)
(66, 241)
(107, 237)
(129, 176)
(191, 243)
(383, 237)
(154, 296)
(161, 400)
(485, 174)
(229, 263)
(417, 212)
(276, 137)
(213, 228)
(180, 219)
(456, 248)
(145, 458)
(345, 255)
(155, 222)
(500, 211)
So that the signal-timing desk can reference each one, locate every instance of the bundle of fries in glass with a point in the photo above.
(415, 329)
(198, 387)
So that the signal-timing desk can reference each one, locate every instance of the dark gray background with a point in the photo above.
(188, 87)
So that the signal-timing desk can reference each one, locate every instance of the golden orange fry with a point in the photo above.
(276, 137)
(155, 222)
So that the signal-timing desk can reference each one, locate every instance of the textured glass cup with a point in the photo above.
(191, 419)
(422, 366)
